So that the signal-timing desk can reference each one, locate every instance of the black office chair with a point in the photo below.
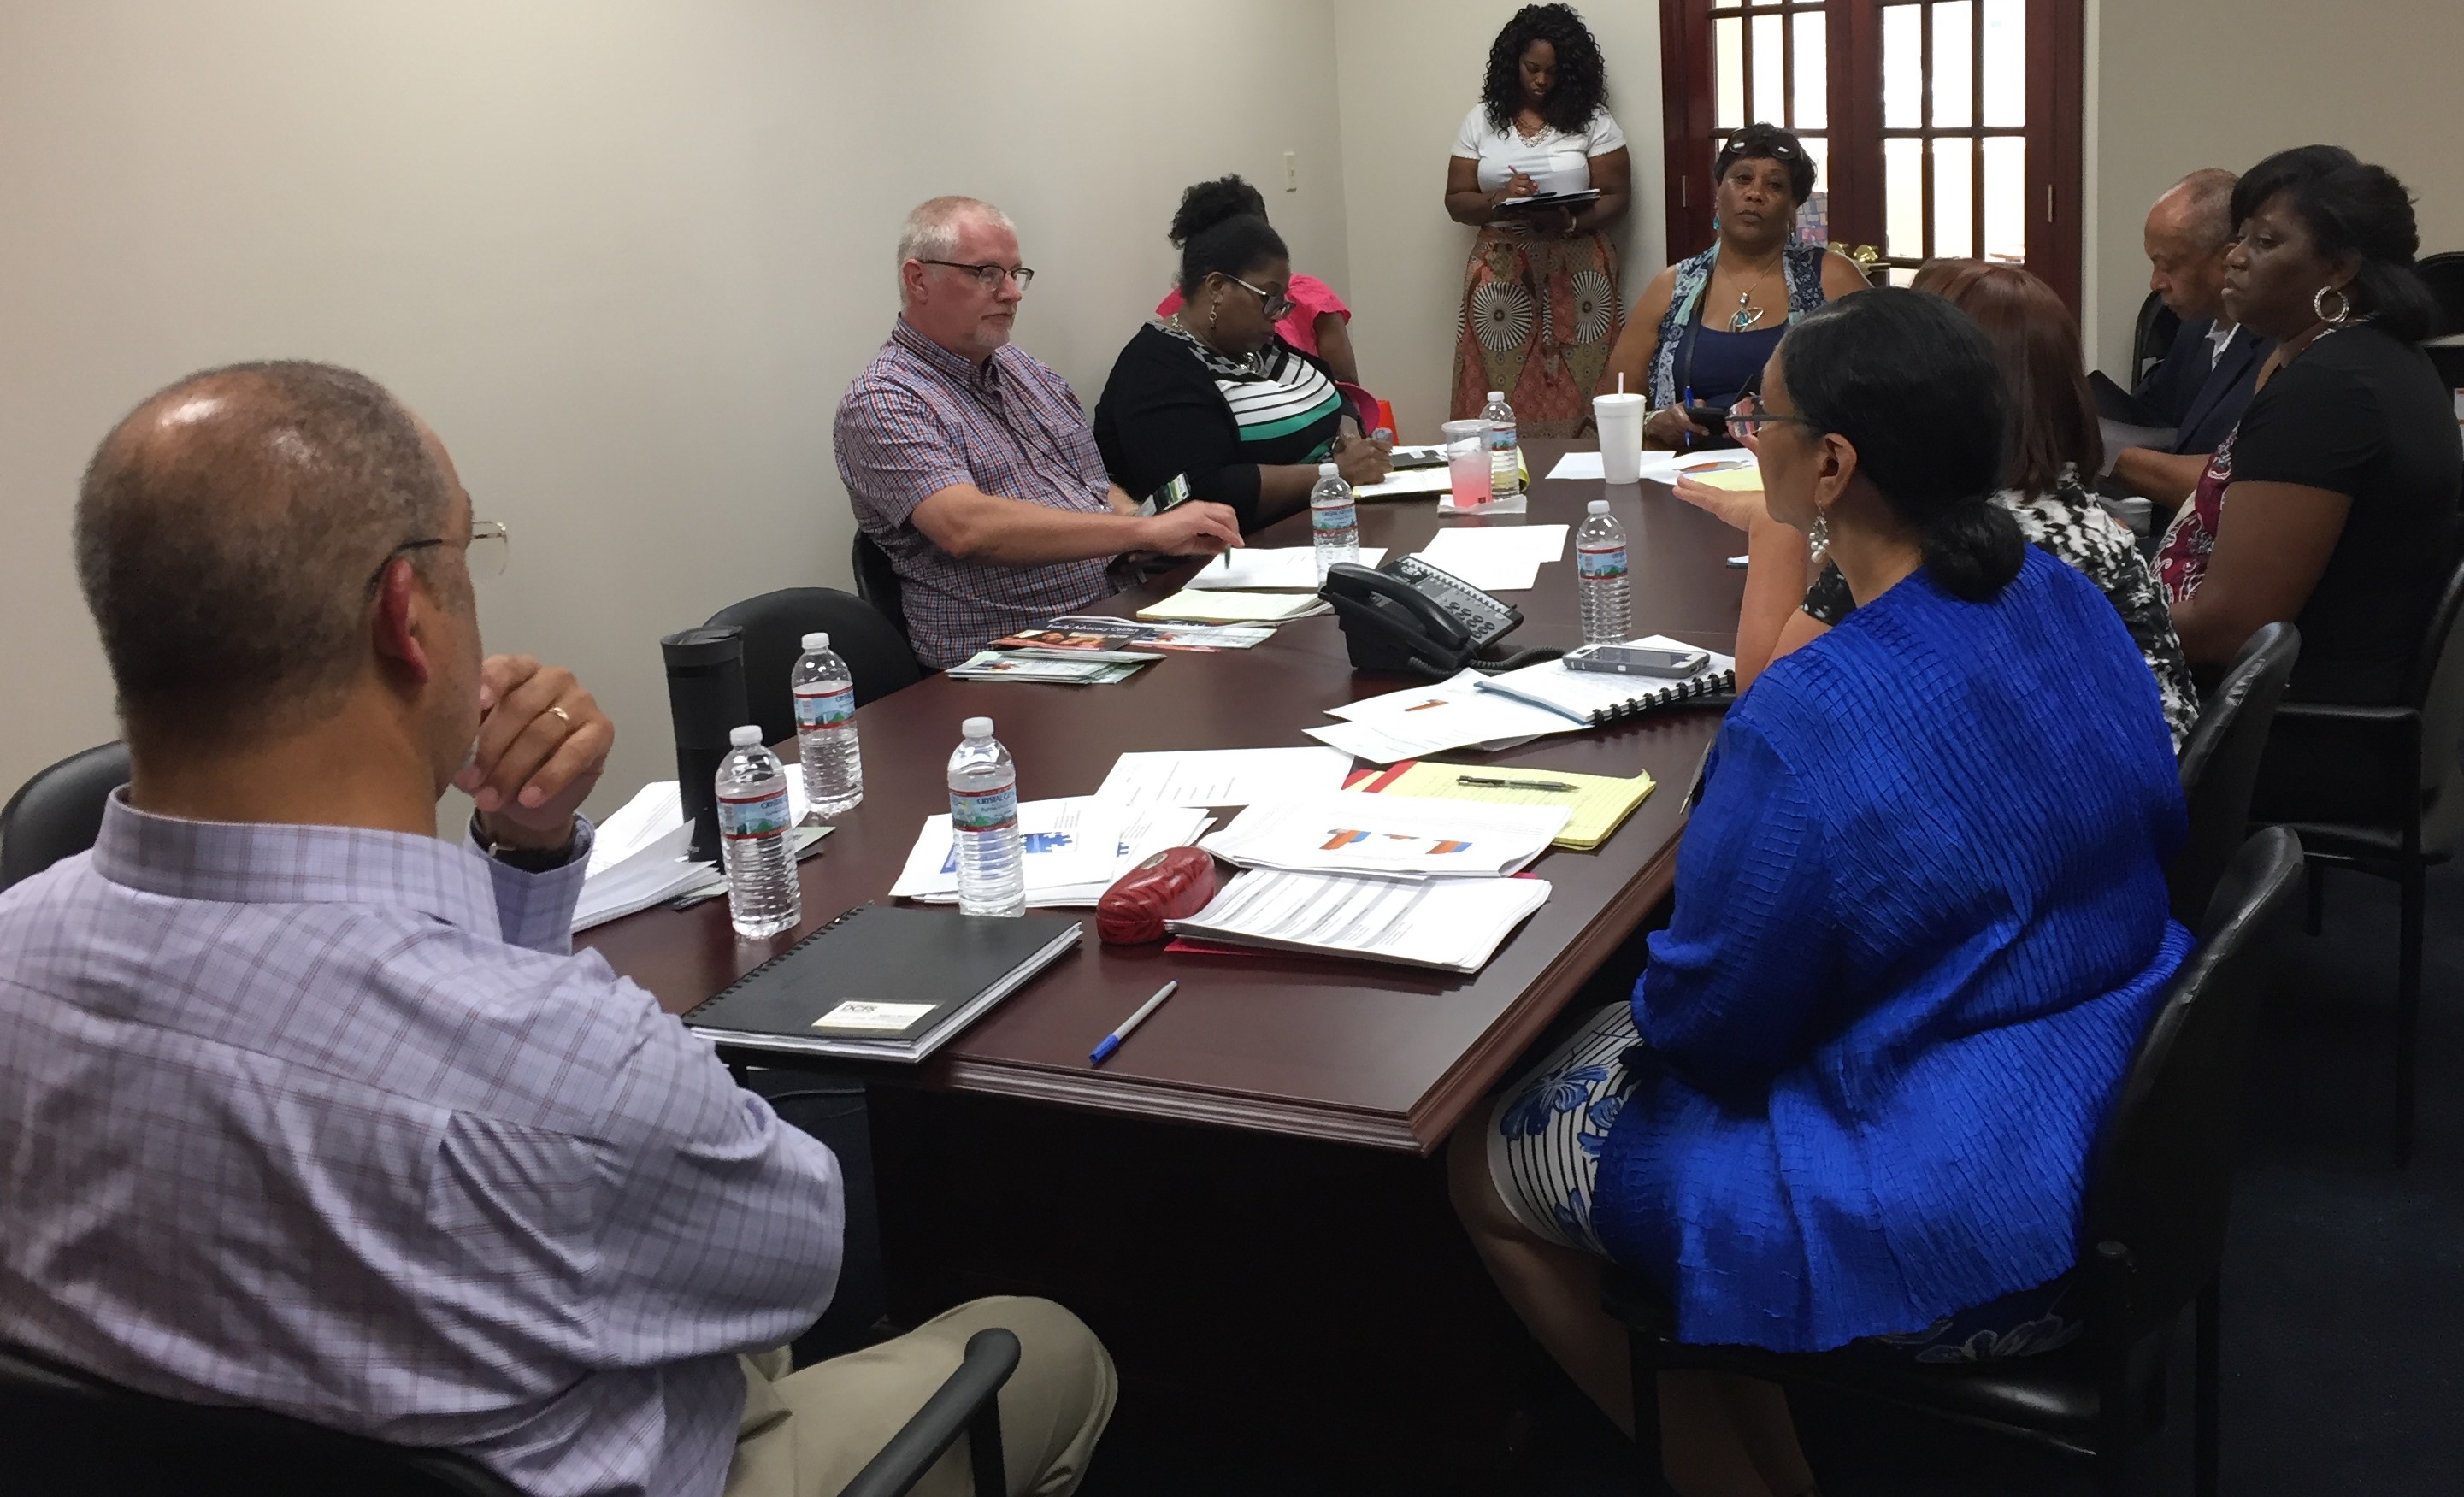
(57, 813)
(2401, 764)
(2159, 1186)
(2153, 338)
(68, 1434)
(2220, 765)
(775, 625)
(877, 580)
(2444, 275)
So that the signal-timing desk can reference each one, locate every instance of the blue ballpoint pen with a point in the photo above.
(1112, 1042)
(1689, 405)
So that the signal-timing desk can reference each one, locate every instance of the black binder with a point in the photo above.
(882, 983)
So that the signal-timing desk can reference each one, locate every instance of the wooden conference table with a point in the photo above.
(1345, 1051)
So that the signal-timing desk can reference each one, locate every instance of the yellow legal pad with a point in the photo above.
(1741, 481)
(1600, 802)
(1201, 605)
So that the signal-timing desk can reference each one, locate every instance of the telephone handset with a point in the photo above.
(1411, 617)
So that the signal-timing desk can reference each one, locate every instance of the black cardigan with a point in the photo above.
(1162, 415)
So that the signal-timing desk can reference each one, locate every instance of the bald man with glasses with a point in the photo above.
(969, 461)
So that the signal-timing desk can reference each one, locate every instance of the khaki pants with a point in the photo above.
(806, 1434)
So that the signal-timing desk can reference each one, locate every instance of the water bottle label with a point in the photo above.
(1599, 563)
(823, 708)
(1500, 438)
(1335, 518)
(985, 811)
(753, 816)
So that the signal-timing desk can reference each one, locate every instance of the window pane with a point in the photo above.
(1904, 199)
(1814, 219)
(1954, 198)
(1954, 70)
(2005, 198)
(1902, 66)
(1813, 71)
(1728, 71)
(1770, 100)
(2006, 61)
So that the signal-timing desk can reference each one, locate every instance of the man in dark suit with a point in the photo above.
(2206, 379)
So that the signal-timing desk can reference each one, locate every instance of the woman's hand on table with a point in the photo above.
(1738, 507)
(1361, 461)
(1671, 427)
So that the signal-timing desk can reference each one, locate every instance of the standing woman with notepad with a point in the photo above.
(1540, 306)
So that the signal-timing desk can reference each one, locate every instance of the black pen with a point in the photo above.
(1514, 784)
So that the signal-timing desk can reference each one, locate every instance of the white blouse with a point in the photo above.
(1557, 161)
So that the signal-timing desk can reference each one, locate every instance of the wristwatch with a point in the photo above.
(522, 860)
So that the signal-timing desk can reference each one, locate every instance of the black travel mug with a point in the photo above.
(706, 699)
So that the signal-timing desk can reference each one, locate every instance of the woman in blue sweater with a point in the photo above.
(1920, 922)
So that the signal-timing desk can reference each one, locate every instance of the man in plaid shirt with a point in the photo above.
(969, 460)
(308, 1110)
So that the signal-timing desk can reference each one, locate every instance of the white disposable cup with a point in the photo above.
(1621, 422)
(1468, 462)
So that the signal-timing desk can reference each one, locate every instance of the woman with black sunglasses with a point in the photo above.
(1211, 394)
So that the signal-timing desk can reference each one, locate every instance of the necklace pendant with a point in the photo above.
(1743, 319)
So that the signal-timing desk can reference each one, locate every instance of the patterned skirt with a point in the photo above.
(1545, 1135)
(1537, 321)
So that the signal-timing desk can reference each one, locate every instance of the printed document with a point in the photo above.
(1401, 836)
(1291, 567)
(1497, 559)
(1452, 924)
(1429, 719)
(1222, 777)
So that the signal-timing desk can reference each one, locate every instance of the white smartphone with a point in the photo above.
(1638, 660)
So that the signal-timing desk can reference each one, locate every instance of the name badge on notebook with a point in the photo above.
(859, 1014)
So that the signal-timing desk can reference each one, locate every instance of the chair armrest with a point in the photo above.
(966, 1401)
(2387, 717)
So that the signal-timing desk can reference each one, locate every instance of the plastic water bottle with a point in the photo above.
(826, 729)
(983, 822)
(1335, 520)
(1599, 572)
(763, 898)
(1505, 454)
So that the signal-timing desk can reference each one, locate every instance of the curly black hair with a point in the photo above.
(1582, 79)
(1209, 202)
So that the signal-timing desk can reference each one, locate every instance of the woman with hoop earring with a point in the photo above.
(2334, 503)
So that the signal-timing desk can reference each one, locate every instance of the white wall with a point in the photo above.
(622, 256)
(2181, 84)
(1409, 68)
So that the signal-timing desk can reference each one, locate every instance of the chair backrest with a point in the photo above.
(2153, 338)
(877, 580)
(57, 813)
(2160, 1180)
(775, 625)
(2436, 687)
(2444, 275)
(2220, 765)
(67, 1432)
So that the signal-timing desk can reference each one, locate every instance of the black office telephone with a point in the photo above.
(1409, 616)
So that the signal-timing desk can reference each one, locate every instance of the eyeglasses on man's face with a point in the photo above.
(989, 276)
(1276, 304)
(484, 554)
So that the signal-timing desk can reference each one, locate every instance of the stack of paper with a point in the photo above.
(1222, 777)
(1204, 605)
(1289, 567)
(1497, 559)
(1430, 719)
(1100, 631)
(1584, 697)
(1595, 804)
(637, 855)
(1657, 467)
(1052, 667)
(1409, 483)
(1452, 924)
(1073, 848)
(1400, 837)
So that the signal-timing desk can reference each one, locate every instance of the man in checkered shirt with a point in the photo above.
(306, 1110)
(969, 460)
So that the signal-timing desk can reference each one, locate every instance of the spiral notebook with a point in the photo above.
(1590, 696)
(882, 983)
